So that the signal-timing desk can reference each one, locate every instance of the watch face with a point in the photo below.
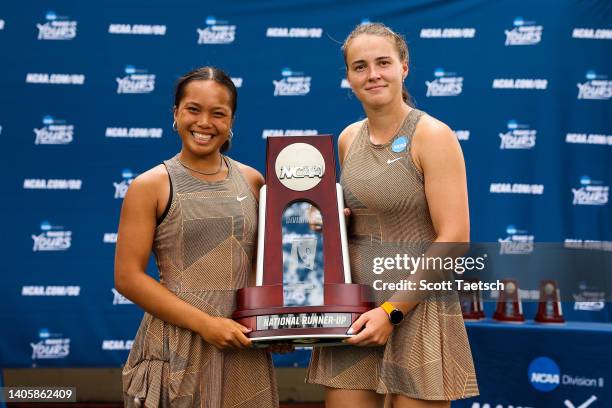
(396, 316)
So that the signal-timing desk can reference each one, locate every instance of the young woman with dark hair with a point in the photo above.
(197, 212)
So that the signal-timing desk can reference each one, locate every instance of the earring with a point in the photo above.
(231, 135)
(174, 126)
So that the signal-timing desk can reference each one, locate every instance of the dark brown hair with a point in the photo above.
(208, 74)
(381, 30)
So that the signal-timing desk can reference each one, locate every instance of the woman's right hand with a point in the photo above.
(224, 333)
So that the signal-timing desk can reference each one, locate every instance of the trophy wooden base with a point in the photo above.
(260, 308)
(501, 317)
(474, 317)
(302, 339)
(541, 318)
(549, 307)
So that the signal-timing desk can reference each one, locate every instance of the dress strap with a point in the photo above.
(408, 128)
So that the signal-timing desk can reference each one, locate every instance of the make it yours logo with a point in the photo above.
(57, 27)
(216, 32)
(50, 346)
(524, 33)
(596, 87)
(591, 192)
(51, 238)
(292, 84)
(121, 187)
(136, 81)
(444, 84)
(54, 131)
(518, 136)
(517, 242)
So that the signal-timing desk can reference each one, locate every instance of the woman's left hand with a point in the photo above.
(376, 329)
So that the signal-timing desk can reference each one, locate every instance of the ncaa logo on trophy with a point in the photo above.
(303, 293)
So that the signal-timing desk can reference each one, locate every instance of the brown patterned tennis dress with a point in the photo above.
(427, 356)
(203, 249)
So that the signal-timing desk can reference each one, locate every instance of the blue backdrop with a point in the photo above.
(87, 92)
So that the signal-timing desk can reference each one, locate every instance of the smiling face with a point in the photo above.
(204, 117)
(374, 70)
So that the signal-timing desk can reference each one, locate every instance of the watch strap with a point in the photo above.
(388, 307)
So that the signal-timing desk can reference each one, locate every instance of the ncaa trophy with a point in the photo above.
(471, 302)
(303, 293)
(509, 305)
(549, 307)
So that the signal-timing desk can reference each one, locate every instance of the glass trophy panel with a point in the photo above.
(302, 225)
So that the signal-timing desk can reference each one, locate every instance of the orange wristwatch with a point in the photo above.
(396, 316)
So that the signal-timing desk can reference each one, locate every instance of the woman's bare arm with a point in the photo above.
(134, 242)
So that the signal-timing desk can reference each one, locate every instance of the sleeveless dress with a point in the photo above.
(203, 249)
(427, 356)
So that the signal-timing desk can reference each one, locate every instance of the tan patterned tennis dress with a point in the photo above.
(427, 356)
(203, 249)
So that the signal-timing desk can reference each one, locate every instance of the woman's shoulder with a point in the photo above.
(154, 177)
(346, 138)
(252, 176)
(150, 182)
(433, 142)
(432, 130)
(349, 132)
